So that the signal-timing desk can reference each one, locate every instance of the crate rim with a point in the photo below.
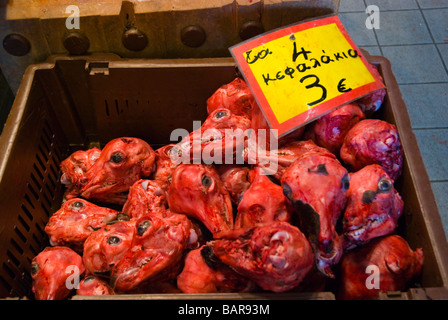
(412, 153)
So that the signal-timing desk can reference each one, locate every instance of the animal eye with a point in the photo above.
(113, 240)
(89, 279)
(142, 227)
(34, 268)
(116, 157)
(220, 114)
(384, 185)
(345, 182)
(77, 205)
(206, 181)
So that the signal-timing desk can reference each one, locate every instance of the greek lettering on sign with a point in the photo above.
(302, 71)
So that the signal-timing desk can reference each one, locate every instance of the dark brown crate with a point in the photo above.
(70, 103)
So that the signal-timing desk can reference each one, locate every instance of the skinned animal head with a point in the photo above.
(122, 162)
(221, 139)
(316, 185)
(276, 255)
(235, 96)
(76, 220)
(145, 197)
(329, 130)
(262, 202)
(373, 208)
(373, 141)
(197, 191)
(105, 247)
(390, 258)
(157, 249)
(50, 270)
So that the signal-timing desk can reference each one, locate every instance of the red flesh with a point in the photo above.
(122, 162)
(105, 247)
(235, 179)
(284, 156)
(276, 256)
(373, 207)
(395, 261)
(75, 167)
(145, 197)
(235, 96)
(155, 254)
(263, 202)
(329, 130)
(51, 269)
(373, 141)
(75, 221)
(372, 101)
(316, 184)
(164, 165)
(197, 191)
(93, 286)
(221, 139)
(198, 277)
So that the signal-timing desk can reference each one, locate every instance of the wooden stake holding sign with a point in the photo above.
(303, 71)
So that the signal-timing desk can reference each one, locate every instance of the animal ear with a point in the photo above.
(395, 264)
(209, 257)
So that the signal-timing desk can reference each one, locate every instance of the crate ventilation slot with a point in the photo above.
(116, 107)
(29, 237)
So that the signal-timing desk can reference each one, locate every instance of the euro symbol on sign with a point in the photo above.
(341, 86)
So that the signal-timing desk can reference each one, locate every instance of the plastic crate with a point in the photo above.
(70, 103)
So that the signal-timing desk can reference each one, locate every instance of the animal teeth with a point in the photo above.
(357, 233)
(193, 236)
(280, 235)
(145, 185)
(377, 220)
(278, 262)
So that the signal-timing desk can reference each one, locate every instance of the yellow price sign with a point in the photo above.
(303, 71)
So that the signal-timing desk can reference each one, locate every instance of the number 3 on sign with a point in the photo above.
(305, 70)
(315, 84)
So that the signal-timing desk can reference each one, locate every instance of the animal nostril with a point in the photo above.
(348, 219)
(287, 191)
(368, 196)
(328, 247)
(142, 227)
(345, 182)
